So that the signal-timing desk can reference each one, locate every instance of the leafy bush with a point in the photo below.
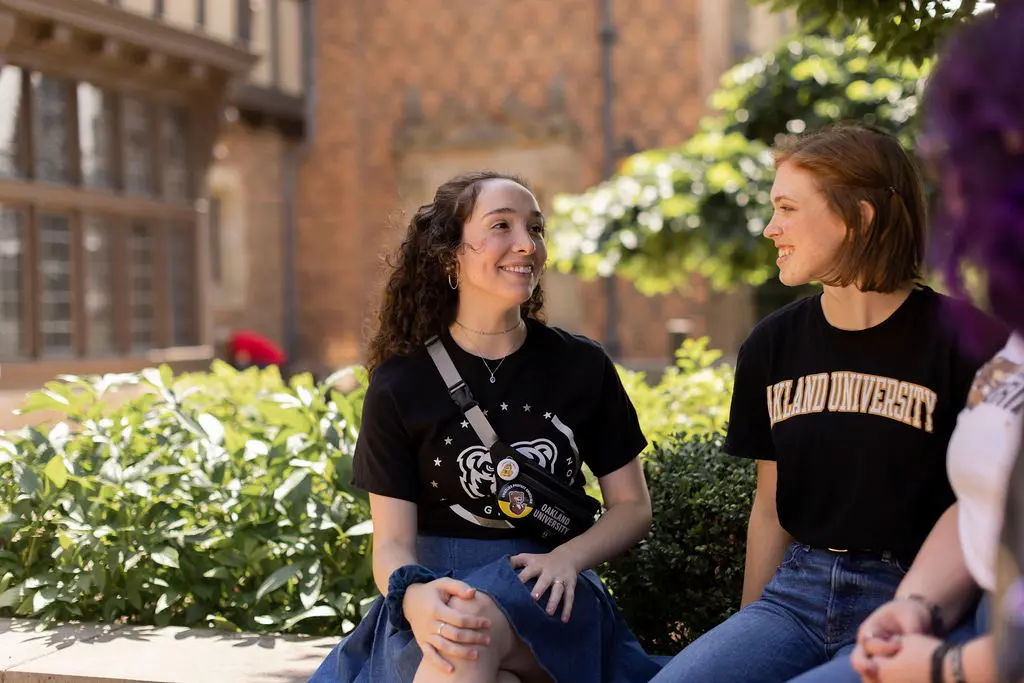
(699, 208)
(687, 575)
(692, 396)
(218, 499)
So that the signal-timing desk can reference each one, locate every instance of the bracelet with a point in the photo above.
(938, 658)
(398, 583)
(958, 664)
(937, 627)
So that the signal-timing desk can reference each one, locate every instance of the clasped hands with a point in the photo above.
(894, 644)
(443, 632)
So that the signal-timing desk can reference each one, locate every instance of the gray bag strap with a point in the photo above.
(460, 393)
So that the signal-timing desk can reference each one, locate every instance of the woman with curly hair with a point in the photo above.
(974, 135)
(469, 593)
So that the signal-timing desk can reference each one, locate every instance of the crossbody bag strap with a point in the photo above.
(460, 393)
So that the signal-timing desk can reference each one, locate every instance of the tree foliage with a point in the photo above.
(901, 29)
(700, 208)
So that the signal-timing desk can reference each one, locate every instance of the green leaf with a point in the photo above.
(132, 561)
(221, 573)
(27, 479)
(56, 471)
(213, 428)
(154, 377)
(361, 529)
(310, 584)
(43, 400)
(166, 600)
(11, 596)
(42, 598)
(278, 579)
(319, 611)
(111, 472)
(168, 557)
(222, 624)
(296, 478)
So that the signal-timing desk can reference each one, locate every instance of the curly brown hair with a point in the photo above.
(418, 302)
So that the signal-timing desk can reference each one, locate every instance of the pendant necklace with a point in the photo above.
(491, 372)
(495, 369)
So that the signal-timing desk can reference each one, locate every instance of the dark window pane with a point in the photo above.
(216, 245)
(141, 287)
(12, 122)
(55, 278)
(99, 290)
(244, 16)
(174, 137)
(182, 271)
(12, 270)
(138, 147)
(96, 135)
(51, 134)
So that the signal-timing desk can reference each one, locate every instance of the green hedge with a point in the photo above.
(222, 499)
(216, 499)
(687, 575)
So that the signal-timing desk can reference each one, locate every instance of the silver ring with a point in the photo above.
(560, 582)
(440, 627)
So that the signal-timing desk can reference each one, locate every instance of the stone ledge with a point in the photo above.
(100, 653)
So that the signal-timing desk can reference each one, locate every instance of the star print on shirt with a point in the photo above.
(526, 407)
(437, 462)
(434, 484)
(448, 441)
(547, 416)
(465, 425)
(504, 406)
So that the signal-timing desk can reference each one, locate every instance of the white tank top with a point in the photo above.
(981, 453)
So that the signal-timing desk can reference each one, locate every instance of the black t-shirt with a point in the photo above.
(857, 421)
(556, 399)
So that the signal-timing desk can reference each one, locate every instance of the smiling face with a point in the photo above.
(503, 251)
(805, 230)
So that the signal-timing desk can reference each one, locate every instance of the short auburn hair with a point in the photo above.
(853, 163)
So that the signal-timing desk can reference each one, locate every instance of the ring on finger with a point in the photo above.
(559, 582)
(440, 628)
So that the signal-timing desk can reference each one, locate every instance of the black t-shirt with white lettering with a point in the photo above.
(556, 399)
(857, 421)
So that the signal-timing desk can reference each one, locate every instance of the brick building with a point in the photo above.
(243, 163)
(406, 98)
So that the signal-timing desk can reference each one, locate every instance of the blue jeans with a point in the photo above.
(839, 670)
(807, 616)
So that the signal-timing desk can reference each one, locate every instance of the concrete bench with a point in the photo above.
(102, 653)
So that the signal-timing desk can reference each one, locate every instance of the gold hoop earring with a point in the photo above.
(453, 279)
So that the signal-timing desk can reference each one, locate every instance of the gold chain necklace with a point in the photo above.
(481, 356)
(491, 334)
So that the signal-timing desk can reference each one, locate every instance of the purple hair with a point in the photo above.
(974, 129)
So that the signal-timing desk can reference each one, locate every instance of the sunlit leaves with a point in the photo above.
(215, 499)
(700, 208)
(901, 30)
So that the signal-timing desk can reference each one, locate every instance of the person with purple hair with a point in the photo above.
(973, 134)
